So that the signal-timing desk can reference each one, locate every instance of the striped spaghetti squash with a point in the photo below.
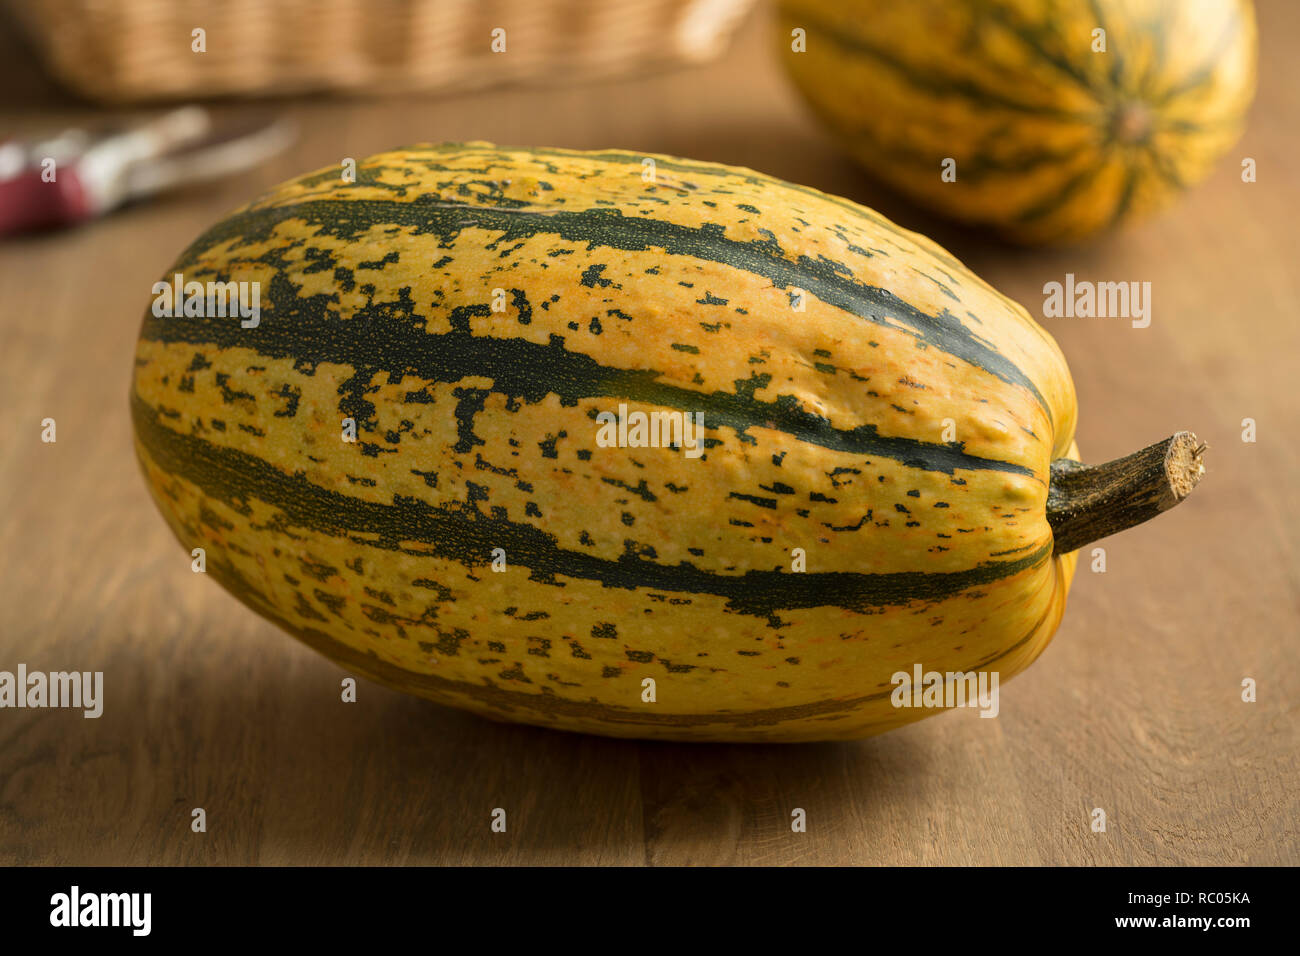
(1050, 120)
(871, 492)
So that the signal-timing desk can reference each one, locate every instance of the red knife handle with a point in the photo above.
(28, 203)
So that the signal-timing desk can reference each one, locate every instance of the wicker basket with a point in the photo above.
(134, 50)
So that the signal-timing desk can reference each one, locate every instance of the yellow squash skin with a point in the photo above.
(475, 431)
(1052, 141)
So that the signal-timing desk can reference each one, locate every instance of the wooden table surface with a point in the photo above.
(1135, 707)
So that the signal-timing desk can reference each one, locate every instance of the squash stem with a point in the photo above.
(1088, 502)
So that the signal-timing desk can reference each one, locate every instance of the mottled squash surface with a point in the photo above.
(865, 398)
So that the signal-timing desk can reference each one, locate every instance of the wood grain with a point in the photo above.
(1134, 708)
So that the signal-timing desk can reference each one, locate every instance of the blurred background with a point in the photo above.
(1135, 707)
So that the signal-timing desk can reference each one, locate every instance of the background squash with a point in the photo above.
(471, 310)
(1053, 138)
